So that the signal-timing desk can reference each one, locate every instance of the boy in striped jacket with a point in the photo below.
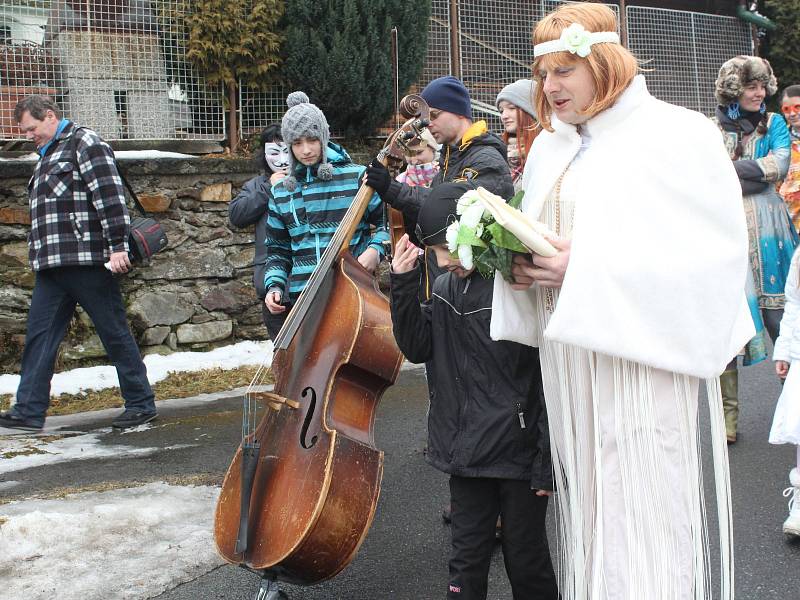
(307, 206)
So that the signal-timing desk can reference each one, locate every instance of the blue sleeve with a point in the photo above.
(779, 134)
(279, 249)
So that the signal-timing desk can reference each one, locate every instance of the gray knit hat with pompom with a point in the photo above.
(304, 119)
(520, 94)
(736, 73)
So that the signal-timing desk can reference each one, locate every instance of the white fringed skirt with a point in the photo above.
(626, 454)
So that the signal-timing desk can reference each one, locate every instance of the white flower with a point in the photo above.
(451, 235)
(469, 198)
(465, 256)
(576, 40)
(472, 215)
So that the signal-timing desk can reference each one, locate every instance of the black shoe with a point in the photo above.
(11, 421)
(132, 418)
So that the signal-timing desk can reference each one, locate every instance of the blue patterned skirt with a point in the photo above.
(772, 239)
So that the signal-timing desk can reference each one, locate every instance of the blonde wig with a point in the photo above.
(612, 66)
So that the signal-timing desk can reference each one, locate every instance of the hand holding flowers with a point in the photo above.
(489, 232)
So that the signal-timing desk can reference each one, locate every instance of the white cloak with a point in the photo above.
(659, 250)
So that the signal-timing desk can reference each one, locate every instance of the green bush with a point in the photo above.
(783, 48)
(339, 53)
(231, 40)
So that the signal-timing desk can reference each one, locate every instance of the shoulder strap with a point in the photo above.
(73, 143)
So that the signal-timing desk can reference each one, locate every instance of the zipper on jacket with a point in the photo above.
(316, 244)
(521, 416)
(464, 375)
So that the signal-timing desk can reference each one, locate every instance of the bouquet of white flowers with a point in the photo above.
(489, 231)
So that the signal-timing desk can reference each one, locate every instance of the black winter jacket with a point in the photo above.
(482, 158)
(250, 206)
(481, 391)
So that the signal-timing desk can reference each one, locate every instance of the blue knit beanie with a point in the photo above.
(449, 94)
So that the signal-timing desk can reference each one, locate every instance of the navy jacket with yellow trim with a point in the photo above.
(480, 156)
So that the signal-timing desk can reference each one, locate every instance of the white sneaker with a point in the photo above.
(791, 526)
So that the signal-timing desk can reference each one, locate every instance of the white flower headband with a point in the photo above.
(576, 40)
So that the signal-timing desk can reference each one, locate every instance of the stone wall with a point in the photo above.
(196, 294)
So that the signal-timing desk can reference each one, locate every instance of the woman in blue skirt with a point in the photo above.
(760, 146)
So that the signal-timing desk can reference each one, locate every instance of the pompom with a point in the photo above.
(325, 171)
(296, 98)
(290, 183)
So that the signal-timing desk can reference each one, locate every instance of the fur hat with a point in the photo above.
(737, 72)
(520, 94)
(304, 119)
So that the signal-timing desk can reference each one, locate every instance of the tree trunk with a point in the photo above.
(233, 125)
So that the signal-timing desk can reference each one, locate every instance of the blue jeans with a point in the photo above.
(55, 295)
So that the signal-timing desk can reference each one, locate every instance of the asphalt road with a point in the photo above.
(405, 554)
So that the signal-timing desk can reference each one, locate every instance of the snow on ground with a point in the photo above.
(25, 452)
(97, 378)
(25, 158)
(129, 543)
(149, 154)
(137, 154)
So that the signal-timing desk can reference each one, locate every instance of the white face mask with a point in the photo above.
(277, 156)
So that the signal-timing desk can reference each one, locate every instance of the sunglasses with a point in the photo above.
(790, 110)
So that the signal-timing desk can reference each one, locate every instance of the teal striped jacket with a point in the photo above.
(300, 224)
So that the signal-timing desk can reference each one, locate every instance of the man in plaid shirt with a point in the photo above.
(79, 223)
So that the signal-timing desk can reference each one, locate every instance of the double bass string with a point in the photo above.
(251, 402)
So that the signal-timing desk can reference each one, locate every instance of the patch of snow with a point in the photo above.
(98, 378)
(119, 544)
(31, 451)
(137, 429)
(33, 156)
(149, 154)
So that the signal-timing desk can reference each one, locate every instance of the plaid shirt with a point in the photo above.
(78, 215)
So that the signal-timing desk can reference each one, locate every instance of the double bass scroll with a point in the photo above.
(400, 144)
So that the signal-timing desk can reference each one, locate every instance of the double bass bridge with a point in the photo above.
(275, 401)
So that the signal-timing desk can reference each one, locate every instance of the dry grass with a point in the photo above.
(175, 385)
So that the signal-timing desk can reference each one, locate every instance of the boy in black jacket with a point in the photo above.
(487, 425)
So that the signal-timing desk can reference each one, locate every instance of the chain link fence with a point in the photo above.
(117, 66)
(683, 52)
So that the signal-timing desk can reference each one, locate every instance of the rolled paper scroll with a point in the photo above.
(528, 231)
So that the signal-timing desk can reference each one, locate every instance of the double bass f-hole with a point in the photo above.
(307, 421)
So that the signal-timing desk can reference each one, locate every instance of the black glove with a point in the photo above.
(378, 177)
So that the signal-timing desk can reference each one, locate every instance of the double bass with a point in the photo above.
(301, 491)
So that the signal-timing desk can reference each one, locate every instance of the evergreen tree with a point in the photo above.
(783, 44)
(233, 40)
(339, 53)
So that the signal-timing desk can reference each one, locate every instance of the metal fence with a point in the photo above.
(683, 52)
(117, 66)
